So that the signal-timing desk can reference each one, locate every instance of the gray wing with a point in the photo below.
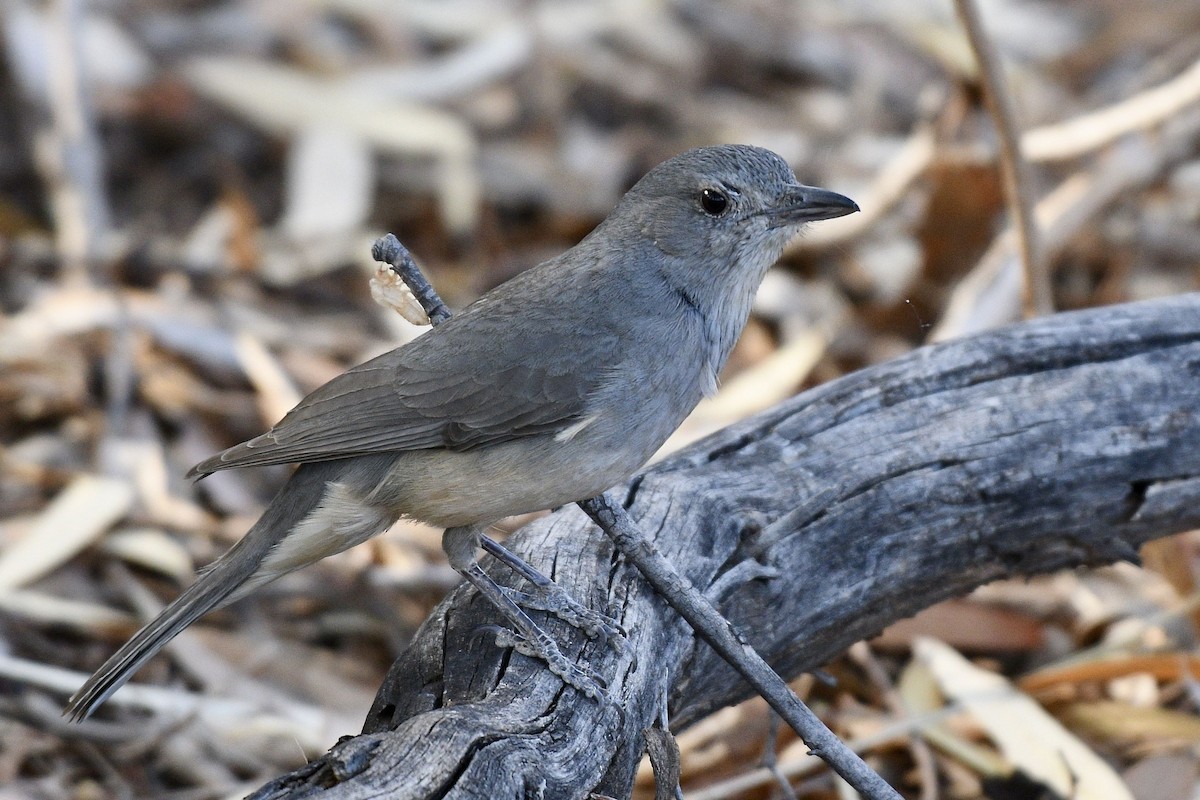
(505, 380)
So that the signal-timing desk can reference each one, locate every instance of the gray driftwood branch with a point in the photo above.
(1065, 441)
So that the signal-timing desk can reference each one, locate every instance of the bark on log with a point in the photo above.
(1065, 441)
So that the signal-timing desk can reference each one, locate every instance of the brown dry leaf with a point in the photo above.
(62, 312)
(294, 669)
(1172, 558)
(1129, 726)
(547, 111)
(735, 731)
(76, 517)
(1028, 736)
(967, 625)
(919, 691)
(313, 729)
(45, 385)
(145, 462)
(167, 385)
(1162, 666)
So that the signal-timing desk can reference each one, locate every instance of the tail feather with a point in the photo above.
(203, 596)
(213, 587)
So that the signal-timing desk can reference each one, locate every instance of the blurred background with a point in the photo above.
(188, 193)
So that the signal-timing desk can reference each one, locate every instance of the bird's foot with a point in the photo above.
(544, 649)
(548, 596)
(529, 639)
(555, 600)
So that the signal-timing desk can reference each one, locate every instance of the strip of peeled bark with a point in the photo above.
(1064, 441)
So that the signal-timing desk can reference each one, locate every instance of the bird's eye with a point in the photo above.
(714, 202)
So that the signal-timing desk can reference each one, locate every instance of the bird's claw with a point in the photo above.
(555, 600)
(590, 684)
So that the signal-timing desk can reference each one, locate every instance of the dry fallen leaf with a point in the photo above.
(1129, 726)
(44, 609)
(1162, 666)
(151, 549)
(1029, 737)
(73, 520)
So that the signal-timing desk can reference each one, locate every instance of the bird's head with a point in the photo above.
(734, 204)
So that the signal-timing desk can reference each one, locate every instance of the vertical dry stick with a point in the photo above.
(1037, 298)
(72, 160)
(70, 150)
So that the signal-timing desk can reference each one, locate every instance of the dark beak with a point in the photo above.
(809, 204)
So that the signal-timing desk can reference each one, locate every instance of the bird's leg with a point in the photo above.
(550, 597)
(460, 545)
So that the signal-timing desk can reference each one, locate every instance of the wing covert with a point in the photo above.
(421, 396)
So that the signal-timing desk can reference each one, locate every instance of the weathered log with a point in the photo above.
(1065, 441)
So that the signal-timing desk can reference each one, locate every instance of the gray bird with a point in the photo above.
(551, 388)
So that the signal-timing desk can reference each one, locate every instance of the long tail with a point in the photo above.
(212, 588)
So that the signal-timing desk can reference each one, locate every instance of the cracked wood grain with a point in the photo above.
(1064, 441)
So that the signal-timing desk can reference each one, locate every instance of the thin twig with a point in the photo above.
(679, 593)
(894, 733)
(987, 297)
(770, 758)
(922, 756)
(73, 159)
(1038, 297)
(390, 251)
(708, 623)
